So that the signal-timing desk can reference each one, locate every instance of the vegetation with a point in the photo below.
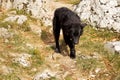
(92, 58)
(70, 1)
(92, 42)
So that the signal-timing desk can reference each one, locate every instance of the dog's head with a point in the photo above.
(76, 31)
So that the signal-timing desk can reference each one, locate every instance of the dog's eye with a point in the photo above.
(75, 34)
(71, 39)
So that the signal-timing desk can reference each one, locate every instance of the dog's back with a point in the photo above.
(66, 16)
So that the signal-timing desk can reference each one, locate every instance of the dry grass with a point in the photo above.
(69, 1)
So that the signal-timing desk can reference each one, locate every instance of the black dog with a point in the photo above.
(71, 26)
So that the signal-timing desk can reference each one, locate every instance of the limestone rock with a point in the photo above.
(39, 9)
(4, 33)
(100, 13)
(46, 74)
(113, 46)
(22, 59)
(19, 18)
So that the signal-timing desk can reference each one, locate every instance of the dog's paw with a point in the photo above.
(57, 50)
(72, 55)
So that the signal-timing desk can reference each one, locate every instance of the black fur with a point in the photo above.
(72, 27)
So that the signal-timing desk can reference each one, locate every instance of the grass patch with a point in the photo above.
(4, 24)
(74, 2)
(17, 40)
(114, 61)
(37, 58)
(16, 44)
(53, 78)
(21, 12)
(88, 64)
(93, 41)
(14, 25)
(68, 78)
(25, 27)
(11, 76)
(2, 16)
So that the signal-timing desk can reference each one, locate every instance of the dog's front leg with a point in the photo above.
(72, 51)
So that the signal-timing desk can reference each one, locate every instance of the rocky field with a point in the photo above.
(27, 48)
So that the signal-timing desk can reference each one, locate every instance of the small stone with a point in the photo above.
(29, 45)
(97, 70)
(113, 46)
(117, 48)
(21, 19)
(23, 59)
(4, 33)
(109, 47)
(34, 69)
(92, 75)
(6, 41)
(46, 74)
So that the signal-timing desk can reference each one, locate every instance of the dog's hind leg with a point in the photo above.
(56, 33)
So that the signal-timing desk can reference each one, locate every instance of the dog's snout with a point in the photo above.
(76, 42)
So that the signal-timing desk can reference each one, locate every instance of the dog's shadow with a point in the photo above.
(64, 49)
(48, 39)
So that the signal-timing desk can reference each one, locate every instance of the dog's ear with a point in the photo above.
(83, 25)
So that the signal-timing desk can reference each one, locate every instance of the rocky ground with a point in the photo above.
(27, 51)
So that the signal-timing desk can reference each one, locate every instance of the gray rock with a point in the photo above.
(4, 33)
(39, 9)
(113, 46)
(46, 74)
(100, 13)
(109, 47)
(19, 18)
(22, 59)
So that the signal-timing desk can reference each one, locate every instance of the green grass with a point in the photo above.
(74, 2)
(37, 58)
(9, 77)
(21, 12)
(68, 78)
(88, 64)
(93, 41)
(14, 25)
(2, 16)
